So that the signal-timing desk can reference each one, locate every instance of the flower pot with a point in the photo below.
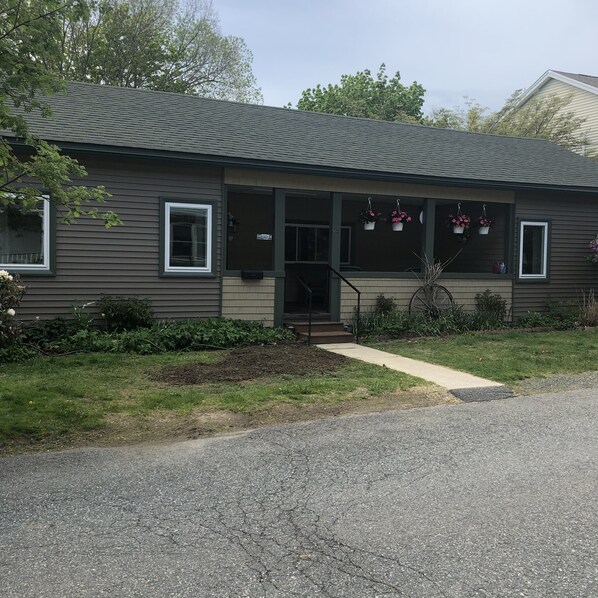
(484, 230)
(458, 230)
(397, 226)
(369, 225)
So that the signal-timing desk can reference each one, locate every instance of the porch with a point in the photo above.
(280, 241)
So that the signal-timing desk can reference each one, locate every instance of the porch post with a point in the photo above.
(334, 256)
(279, 271)
(429, 226)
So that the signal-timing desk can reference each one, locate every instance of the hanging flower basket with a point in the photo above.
(369, 217)
(485, 223)
(398, 217)
(460, 222)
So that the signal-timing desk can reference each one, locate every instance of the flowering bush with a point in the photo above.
(11, 293)
(594, 251)
(459, 220)
(485, 221)
(397, 216)
(369, 216)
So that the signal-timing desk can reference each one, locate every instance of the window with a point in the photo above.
(187, 238)
(25, 238)
(533, 250)
(310, 243)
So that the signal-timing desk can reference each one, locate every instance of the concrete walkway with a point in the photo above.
(464, 386)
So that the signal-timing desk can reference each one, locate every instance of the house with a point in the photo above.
(231, 209)
(583, 90)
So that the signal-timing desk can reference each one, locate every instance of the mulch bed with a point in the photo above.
(250, 363)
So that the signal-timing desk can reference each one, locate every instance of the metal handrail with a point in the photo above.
(310, 294)
(358, 318)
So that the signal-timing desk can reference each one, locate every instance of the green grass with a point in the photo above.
(506, 357)
(49, 398)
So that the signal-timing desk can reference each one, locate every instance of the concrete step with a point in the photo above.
(301, 326)
(327, 337)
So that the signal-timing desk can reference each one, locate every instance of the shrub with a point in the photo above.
(16, 351)
(11, 293)
(450, 321)
(66, 335)
(491, 310)
(51, 335)
(384, 305)
(125, 313)
(395, 324)
(491, 305)
(564, 313)
(399, 323)
(537, 320)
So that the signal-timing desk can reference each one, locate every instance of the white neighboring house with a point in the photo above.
(583, 90)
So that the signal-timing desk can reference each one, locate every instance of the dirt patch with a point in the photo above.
(170, 427)
(250, 363)
(164, 427)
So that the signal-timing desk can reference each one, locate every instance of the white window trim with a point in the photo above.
(544, 274)
(45, 267)
(187, 269)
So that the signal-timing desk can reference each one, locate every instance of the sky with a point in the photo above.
(483, 49)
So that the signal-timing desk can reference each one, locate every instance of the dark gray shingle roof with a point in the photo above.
(587, 79)
(166, 122)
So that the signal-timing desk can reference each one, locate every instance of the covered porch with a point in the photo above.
(278, 242)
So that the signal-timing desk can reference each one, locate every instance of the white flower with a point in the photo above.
(5, 275)
(11, 312)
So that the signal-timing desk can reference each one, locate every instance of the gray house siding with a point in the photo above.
(574, 222)
(125, 260)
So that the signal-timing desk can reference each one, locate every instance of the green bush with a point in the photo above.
(50, 335)
(450, 321)
(16, 351)
(398, 323)
(491, 310)
(384, 305)
(534, 319)
(61, 336)
(395, 324)
(125, 313)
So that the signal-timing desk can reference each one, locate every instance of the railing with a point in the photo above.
(358, 314)
(310, 295)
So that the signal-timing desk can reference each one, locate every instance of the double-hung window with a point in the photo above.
(187, 238)
(533, 250)
(25, 238)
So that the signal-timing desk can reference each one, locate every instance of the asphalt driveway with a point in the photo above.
(480, 499)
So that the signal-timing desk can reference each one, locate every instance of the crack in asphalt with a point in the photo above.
(406, 507)
(287, 529)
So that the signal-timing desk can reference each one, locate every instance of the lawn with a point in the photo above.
(506, 357)
(66, 401)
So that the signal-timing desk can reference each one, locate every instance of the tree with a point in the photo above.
(544, 118)
(29, 29)
(163, 45)
(382, 98)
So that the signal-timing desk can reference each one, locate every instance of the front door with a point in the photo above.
(307, 254)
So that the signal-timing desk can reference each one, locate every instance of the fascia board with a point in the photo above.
(530, 91)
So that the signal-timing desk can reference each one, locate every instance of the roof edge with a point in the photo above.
(219, 161)
(550, 74)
